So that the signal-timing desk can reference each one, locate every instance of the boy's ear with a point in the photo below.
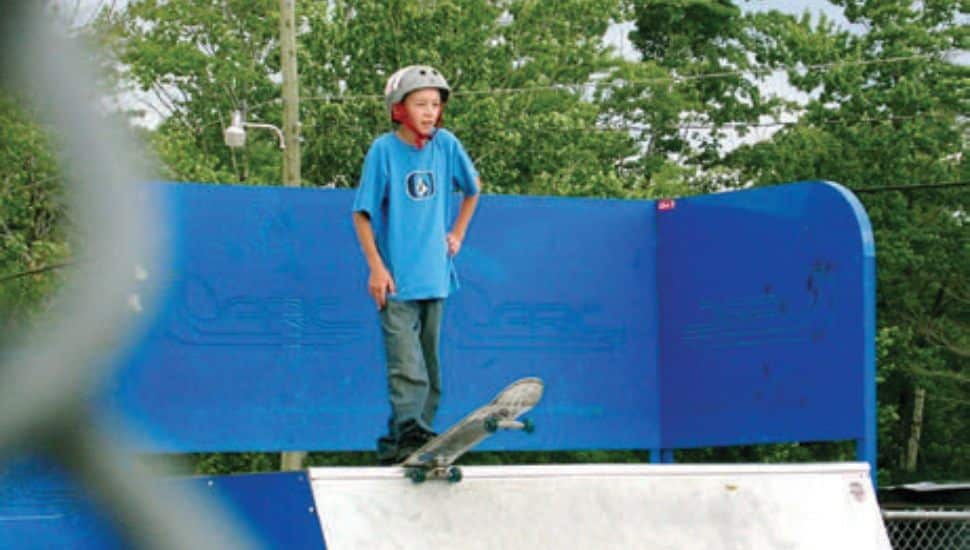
(398, 114)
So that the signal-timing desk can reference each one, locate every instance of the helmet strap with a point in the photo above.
(399, 114)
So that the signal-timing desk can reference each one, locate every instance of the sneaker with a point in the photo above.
(390, 460)
(413, 436)
(386, 451)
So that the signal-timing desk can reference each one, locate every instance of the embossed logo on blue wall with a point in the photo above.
(202, 317)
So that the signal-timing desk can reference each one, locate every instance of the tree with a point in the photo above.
(198, 62)
(204, 60)
(888, 110)
(504, 61)
(32, 235)
(684, 100)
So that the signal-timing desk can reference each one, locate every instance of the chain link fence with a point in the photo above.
(926, 529)
(49, 374)
(42, 387)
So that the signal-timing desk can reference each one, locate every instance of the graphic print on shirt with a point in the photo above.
(420, 185)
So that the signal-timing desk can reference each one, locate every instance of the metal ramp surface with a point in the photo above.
(830, 506)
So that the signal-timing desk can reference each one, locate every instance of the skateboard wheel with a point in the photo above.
(491, 424)
(417, 475)
(528, 426)
(454, 474)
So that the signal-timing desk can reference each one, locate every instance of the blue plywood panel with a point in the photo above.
(763, 310)
(277, 508)
(267, 339)
(767, 307)
(562, 289)
(42, 507)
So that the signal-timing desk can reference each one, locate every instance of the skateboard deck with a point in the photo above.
(436, 458)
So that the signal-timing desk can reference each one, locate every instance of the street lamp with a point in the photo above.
(235, 137)
(235, 134)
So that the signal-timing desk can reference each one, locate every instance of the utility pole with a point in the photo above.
(291, 134)
(291, 93)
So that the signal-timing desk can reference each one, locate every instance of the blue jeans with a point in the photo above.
(411, 332)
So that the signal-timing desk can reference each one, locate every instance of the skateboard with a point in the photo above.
(436, 458)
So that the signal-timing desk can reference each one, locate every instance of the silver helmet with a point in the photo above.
(411, 78)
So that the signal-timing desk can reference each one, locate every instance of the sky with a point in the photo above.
(616, 35)
(796, 7)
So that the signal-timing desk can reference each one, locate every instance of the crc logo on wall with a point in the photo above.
(421, 185)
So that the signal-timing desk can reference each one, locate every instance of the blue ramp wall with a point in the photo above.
(735, 318)
(767, 318)
(730, 319)
(267, 339)
(43, 507)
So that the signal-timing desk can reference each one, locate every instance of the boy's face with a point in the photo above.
(423, 108)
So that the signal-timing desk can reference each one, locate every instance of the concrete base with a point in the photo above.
(604, 506)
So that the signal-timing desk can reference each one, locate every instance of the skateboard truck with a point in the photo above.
(493, 424)
(421, 473)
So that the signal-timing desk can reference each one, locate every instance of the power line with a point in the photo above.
(956, 377)
(653, 80)
(839, 121)
(843, 122)
(342, 98)
(915, 187)
(950, 400)
(637, 127)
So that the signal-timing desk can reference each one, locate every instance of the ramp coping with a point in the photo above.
(337, 473)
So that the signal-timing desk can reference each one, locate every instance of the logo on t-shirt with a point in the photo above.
(421, 185)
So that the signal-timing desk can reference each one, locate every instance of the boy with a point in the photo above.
(400, 215)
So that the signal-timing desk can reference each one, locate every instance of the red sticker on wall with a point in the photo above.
(666, 204)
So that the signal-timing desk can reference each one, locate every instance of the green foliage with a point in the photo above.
(828, 451)
(31, 218)
(550, 130)
(893, 115)
(200, 61)
(204, 60)
(542, 141)
(695, 79)
(674, 29)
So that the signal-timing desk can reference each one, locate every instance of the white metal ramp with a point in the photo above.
(814, 506)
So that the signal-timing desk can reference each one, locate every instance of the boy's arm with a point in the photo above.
(380, 283)
(465, 213)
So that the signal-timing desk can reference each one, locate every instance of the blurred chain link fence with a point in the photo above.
(50, 374)
(43, 383)
(928, 529)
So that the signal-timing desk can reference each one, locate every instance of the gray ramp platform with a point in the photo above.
(735, 507)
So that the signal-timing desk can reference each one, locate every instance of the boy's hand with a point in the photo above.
(454, 243)
(380, 285)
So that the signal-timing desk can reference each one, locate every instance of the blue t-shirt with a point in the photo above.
(408, 195)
